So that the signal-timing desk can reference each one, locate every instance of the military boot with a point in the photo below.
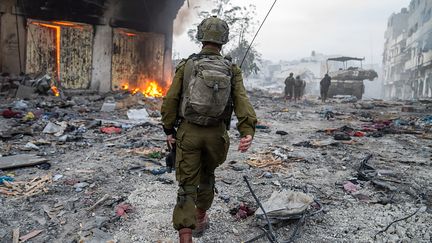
(185, 235)
(202, 222)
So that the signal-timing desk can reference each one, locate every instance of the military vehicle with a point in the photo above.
(348, 80)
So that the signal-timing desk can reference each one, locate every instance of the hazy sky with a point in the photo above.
(296, 27)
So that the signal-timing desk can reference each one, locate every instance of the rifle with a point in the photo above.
(170, 158)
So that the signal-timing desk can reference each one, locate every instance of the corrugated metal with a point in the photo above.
(75, 52)
(41, 50)
(76, 56)
(137, 56)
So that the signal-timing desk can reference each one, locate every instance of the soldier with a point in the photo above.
(206, 89)
(289, 86)
(299, 86)
(324, 87)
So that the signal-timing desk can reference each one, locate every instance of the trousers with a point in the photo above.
(200, 150)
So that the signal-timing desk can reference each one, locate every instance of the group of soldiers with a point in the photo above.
(294, 87)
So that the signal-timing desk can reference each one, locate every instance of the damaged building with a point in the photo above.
(98, 45)
(408, 52)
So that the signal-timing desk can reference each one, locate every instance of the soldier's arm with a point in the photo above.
(171, 101)
(242, 107)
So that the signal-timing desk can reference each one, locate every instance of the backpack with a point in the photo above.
(206, 93)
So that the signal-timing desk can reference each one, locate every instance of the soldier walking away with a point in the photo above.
(289, 87)
(299, 86)
(324, 87)
(206, 89)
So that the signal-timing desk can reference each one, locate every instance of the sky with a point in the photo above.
(295, 28)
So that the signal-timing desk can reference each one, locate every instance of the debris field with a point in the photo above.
(91, 168)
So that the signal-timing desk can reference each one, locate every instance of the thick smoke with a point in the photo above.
(186, 15)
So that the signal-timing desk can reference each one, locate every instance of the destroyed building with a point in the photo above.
(98, 45)
(408, 52)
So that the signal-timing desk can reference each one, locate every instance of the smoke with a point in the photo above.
(186, 15)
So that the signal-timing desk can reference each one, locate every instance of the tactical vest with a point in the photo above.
(206, 90)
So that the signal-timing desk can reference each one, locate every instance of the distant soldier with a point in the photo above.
(324, 87)
(299, 86)
(289, 86)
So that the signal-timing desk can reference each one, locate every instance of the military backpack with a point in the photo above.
(206, 89)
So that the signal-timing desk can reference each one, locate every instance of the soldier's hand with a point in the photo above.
(245, 143)
(170, 141)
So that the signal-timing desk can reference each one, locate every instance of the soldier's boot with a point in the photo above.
(203, 223)
(185, 235)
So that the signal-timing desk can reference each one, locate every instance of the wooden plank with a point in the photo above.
(30, 235)
(15, 235)
(20, 160)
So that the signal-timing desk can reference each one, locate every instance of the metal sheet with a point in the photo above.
(137, 57)
(41, 50)
(76, 56)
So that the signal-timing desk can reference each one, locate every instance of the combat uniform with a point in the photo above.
(299, 86)
(289, 87)
(324, 87)
(200, 149)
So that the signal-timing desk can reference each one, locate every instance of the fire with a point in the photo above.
(55, 90)
(153, 90)
(149, 88)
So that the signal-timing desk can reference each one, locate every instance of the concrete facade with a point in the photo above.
(407, 56)
(102, 54)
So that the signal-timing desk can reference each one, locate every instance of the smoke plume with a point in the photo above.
(186, 16)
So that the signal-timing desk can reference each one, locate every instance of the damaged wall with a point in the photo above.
(12, 45)
(408, 52)
(137, 57)
(87, 57)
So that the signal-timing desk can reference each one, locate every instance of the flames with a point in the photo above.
(149, 88)
(55, 91)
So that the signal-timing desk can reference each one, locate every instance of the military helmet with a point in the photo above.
(291, 74)
(213, 30)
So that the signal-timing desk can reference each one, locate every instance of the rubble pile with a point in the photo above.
(91, 168)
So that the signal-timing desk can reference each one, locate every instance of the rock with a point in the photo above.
(108, 107)
(268, 175)
(427, 237)
(224, 197)
(95, 222)
(31, 146)
(79, 186)
(235, 231)
(240, 166)
(276, 183)
(400, 231)
(393, 238)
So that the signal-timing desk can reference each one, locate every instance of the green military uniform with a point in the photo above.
(200, 149)
(289, 87)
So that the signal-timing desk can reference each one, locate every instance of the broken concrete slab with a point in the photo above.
(25, 92)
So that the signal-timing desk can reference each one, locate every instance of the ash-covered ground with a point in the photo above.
(297, 146)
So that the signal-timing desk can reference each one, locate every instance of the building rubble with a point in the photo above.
(86, 174)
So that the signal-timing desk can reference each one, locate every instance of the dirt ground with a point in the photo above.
(125, 169)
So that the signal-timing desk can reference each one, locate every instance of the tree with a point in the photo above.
(242, 25)
(250, 63)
